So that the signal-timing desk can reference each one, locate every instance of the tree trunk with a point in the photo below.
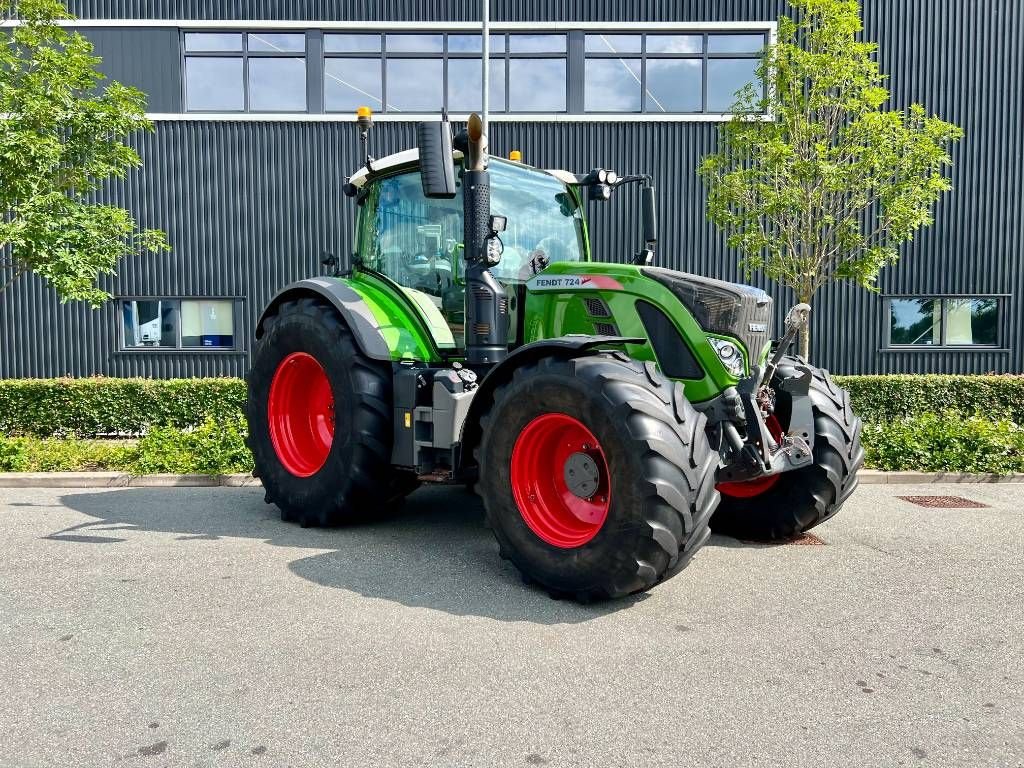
(805, 332)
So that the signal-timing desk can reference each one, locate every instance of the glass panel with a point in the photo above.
(150, 323)
(612, 85)
(725, 78)
(536, 85)
(735, 43)
(464, 81)
(471, 44)
(972, 321)
(613, 43)
(415, 43)
(351, 83)
(213, 41)
(214, 84)
(915, 322)
(536, 43)
(675, 43)
(207, 323)
(277, 84)
(415, 85)
(543, 218)
(277, 43)
(674, 85)
(352, 43)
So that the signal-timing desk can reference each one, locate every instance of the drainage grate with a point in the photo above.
(944, 502)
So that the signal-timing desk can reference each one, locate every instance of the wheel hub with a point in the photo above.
(581, 475)
(300, 414)
(560, 480)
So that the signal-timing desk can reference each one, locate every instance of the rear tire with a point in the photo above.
(806, 497)
(314, 477)
(652, 493)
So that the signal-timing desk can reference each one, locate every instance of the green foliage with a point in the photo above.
(947, 442)
(110, 406)
(829, 187)
(62, 135)
(885, 398)
(211, 448)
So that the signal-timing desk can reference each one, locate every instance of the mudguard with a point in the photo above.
(349, 304)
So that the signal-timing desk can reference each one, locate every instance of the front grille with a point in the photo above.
(596, 307)
(606, 329)
(741, 311)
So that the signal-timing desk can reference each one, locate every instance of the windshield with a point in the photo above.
(417, 241)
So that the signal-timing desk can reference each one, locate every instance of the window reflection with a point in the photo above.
(613, 44)
(415, 85)
(915, 322)
(277, 43)
(465, 78)
(537, 85)
(735, 43)
(612, 85)
(277, 85)
(674, 85)
(352, 43)
(214, 84)
(675, 43)
(351, 83)
(725, 78)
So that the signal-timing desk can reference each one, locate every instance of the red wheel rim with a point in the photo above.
(551, 451)
(301, 414)
(747, 489)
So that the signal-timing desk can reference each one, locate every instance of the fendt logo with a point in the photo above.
(573, 283)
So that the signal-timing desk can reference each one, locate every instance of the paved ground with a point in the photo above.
(191, 627)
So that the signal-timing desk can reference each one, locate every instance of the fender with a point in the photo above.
(574, 345)
(349, 304)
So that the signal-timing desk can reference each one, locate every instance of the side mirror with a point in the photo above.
(650, 213)
(437, 169)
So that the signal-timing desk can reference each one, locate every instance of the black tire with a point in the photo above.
(807, 497)
(356, 481)
(661, 466)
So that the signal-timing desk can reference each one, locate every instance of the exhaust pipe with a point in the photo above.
(486, 302)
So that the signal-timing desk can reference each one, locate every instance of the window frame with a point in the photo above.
(1001, 299)
(643, 55)
(237, 348)
(244, 54)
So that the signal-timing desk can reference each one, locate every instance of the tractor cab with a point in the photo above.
(416, 242)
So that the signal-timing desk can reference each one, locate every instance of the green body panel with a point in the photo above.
(403, 322)
(558, 312)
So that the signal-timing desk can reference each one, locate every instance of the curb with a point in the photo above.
(122, 480)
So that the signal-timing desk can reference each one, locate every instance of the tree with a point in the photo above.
(813, 180)
(62, 136)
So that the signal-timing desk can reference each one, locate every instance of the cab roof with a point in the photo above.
(410, 157)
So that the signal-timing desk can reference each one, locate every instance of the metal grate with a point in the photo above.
(597, 308)
(606, 329)
(944, 502)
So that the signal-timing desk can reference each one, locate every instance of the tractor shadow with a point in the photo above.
(435, 554)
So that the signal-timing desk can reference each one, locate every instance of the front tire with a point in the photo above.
(320, 420)
(596, 474)
(801, 499)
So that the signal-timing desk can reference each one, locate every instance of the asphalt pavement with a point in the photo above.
(191, 627)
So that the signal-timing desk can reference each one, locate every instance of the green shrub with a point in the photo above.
(211, 448)
(887, 397)
(946, 442)
(109, 406)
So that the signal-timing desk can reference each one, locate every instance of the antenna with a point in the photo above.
(486, 32)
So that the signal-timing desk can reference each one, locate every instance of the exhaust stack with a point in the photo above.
(486, 302)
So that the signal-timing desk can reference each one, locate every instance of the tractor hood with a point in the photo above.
(729, 309)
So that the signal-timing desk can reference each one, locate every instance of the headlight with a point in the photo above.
(729, 354)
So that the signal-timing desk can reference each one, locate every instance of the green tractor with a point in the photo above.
(609, 414)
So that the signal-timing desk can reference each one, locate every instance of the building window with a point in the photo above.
(156, 323)
(245, 72)
(666, 73)
(413, 72)
(963, 321)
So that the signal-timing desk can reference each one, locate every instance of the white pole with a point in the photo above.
(487, 60)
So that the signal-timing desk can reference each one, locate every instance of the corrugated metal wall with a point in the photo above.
(251, 206)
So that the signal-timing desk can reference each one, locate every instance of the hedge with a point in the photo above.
(99, 406)
(885, 398)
